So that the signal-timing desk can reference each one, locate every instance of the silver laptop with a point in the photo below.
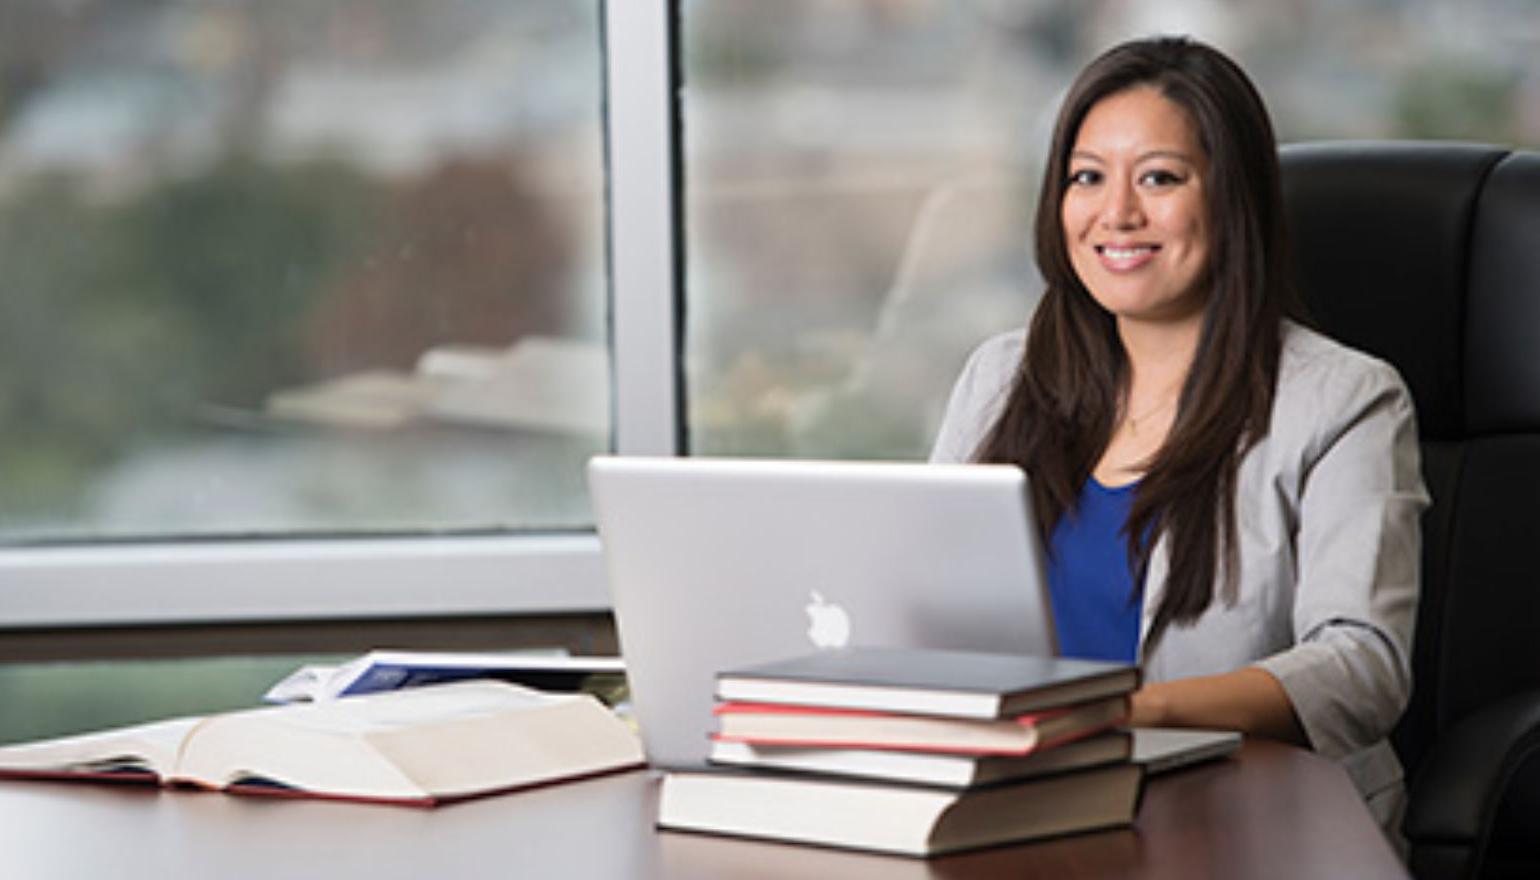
(718, 563)
(1162, 749)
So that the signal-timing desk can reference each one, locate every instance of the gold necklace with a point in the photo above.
(1132, 421)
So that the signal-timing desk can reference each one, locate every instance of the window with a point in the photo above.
(290, 268)
(284, 311)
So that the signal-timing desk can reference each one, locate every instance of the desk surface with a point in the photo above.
(1269, 811)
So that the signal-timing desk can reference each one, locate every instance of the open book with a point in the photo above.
(419, 747)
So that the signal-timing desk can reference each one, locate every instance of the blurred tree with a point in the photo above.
(1458, 99)
(119, 321)
(237, 257)
(59, 412)
(466, 254)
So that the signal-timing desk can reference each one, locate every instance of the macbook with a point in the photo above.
(1162, 749)
(716, 563)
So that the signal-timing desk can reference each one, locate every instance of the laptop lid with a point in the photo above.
(1161, 749)
(718, 563)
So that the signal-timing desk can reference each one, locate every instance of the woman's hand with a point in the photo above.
(1249, 700)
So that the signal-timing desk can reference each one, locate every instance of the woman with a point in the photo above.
(1228, 498)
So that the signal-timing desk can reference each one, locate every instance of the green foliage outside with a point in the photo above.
(1449, 99)
(119, 318)
(68, 698)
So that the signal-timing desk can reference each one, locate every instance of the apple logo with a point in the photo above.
(828, 623)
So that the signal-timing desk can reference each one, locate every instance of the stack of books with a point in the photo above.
(913, 752)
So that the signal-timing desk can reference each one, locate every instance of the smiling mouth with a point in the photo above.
(1120, 259)
(1133, 252)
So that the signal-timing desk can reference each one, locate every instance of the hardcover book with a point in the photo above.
(927, 768)
(417, 747)
(958, 683)
(900, 819)
(774, 724)
(379, 671)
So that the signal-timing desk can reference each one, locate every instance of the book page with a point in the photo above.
(411, 745)
(142, 748)
(303, 684)
(397, 709)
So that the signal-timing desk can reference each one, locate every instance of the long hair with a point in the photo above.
(1065, 398)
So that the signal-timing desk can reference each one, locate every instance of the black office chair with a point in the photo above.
(1428, 255)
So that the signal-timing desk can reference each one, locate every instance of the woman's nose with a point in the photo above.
(1120, 207)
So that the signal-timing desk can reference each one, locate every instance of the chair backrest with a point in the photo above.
(1428, 255)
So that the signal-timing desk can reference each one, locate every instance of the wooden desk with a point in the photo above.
(1271, 811)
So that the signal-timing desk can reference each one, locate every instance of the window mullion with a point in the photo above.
(644, 242)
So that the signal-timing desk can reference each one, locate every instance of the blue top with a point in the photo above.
(1090, 577)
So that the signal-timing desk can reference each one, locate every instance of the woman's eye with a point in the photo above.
(1160, 178)
(1084, 177)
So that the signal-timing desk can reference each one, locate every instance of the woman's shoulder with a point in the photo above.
(978, 395)
(999, 354)
(992, 366)
(1311, 356)
(1318, 374)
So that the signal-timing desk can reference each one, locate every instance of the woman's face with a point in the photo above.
(1135, 215)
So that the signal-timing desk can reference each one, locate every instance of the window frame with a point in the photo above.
(295, 578)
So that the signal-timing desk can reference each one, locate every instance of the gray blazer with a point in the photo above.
(1327, 516)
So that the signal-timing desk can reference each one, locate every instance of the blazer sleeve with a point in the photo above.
(977, 398)
(1358, 551)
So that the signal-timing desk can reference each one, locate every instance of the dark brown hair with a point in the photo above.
(1065, 399)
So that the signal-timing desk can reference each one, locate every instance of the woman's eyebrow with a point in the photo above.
(1162, 153)
(1178, 155)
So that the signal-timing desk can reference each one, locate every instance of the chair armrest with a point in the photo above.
(1456, 794)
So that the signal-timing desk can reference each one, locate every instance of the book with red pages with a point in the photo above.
(965, 684)
(910, 820)
(775, 724)
(416, 747)
(949, 770)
